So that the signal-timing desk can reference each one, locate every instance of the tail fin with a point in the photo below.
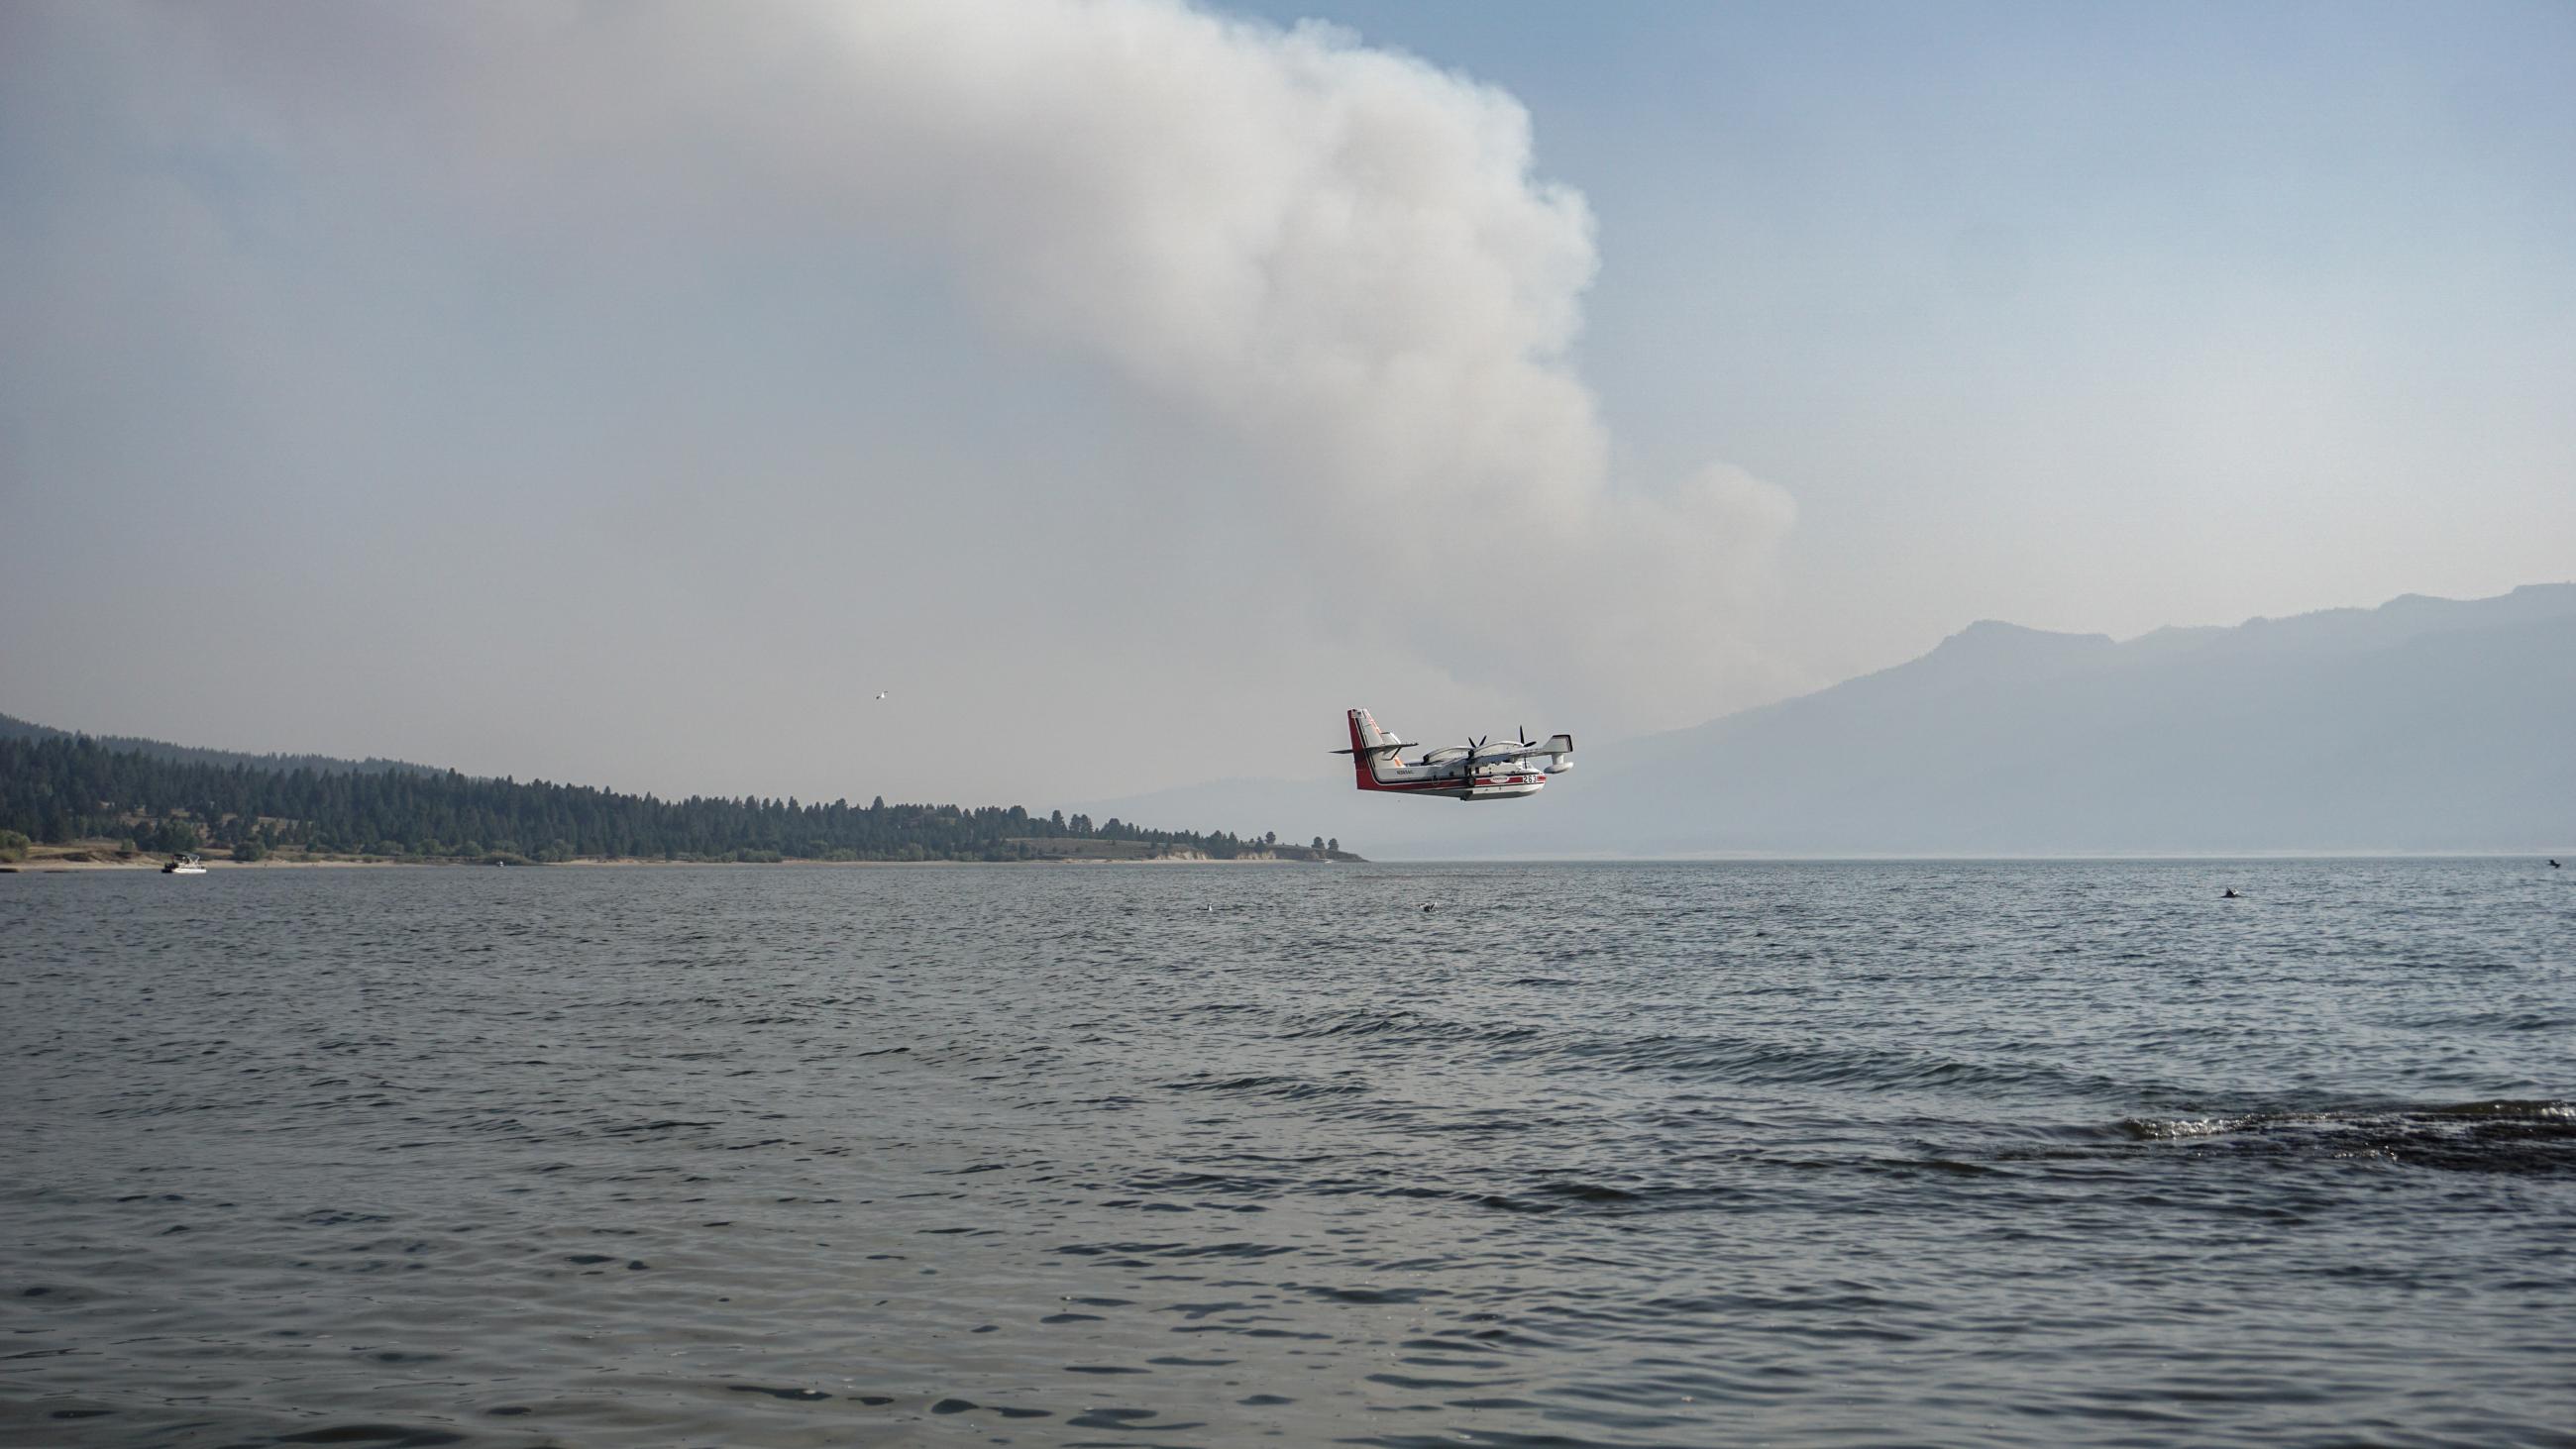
(1369, 746)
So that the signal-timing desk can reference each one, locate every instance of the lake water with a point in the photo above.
(1619, 1155)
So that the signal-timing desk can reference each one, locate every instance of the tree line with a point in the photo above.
(12, 727)
(63, 789)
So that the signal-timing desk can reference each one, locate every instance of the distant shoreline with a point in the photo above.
(57, 865)
(61, 865)
(122, 807)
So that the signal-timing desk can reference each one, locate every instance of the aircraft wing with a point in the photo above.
(1552, 745)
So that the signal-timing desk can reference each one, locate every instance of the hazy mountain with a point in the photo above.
(13, 728)
(2424, 724)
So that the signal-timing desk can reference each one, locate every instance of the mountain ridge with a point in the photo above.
(2422, 724)
(2364, 729)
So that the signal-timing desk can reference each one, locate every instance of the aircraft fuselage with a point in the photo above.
(1475, 771)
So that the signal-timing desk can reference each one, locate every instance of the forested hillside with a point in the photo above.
(12, 728)
(62, 789)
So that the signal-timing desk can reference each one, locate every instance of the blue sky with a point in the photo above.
(2089, 317)
(586, 392)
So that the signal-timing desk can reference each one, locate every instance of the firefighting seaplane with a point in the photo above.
(1475, 770)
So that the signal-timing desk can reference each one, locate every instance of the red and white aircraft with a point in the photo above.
(1472, 771)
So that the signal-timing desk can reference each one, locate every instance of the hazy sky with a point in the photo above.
(628, 393)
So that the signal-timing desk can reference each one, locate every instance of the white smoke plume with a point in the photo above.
(1338, 256)
(1334, 262)
(1341, 255)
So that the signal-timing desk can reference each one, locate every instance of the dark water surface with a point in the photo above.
(1693, 1154)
